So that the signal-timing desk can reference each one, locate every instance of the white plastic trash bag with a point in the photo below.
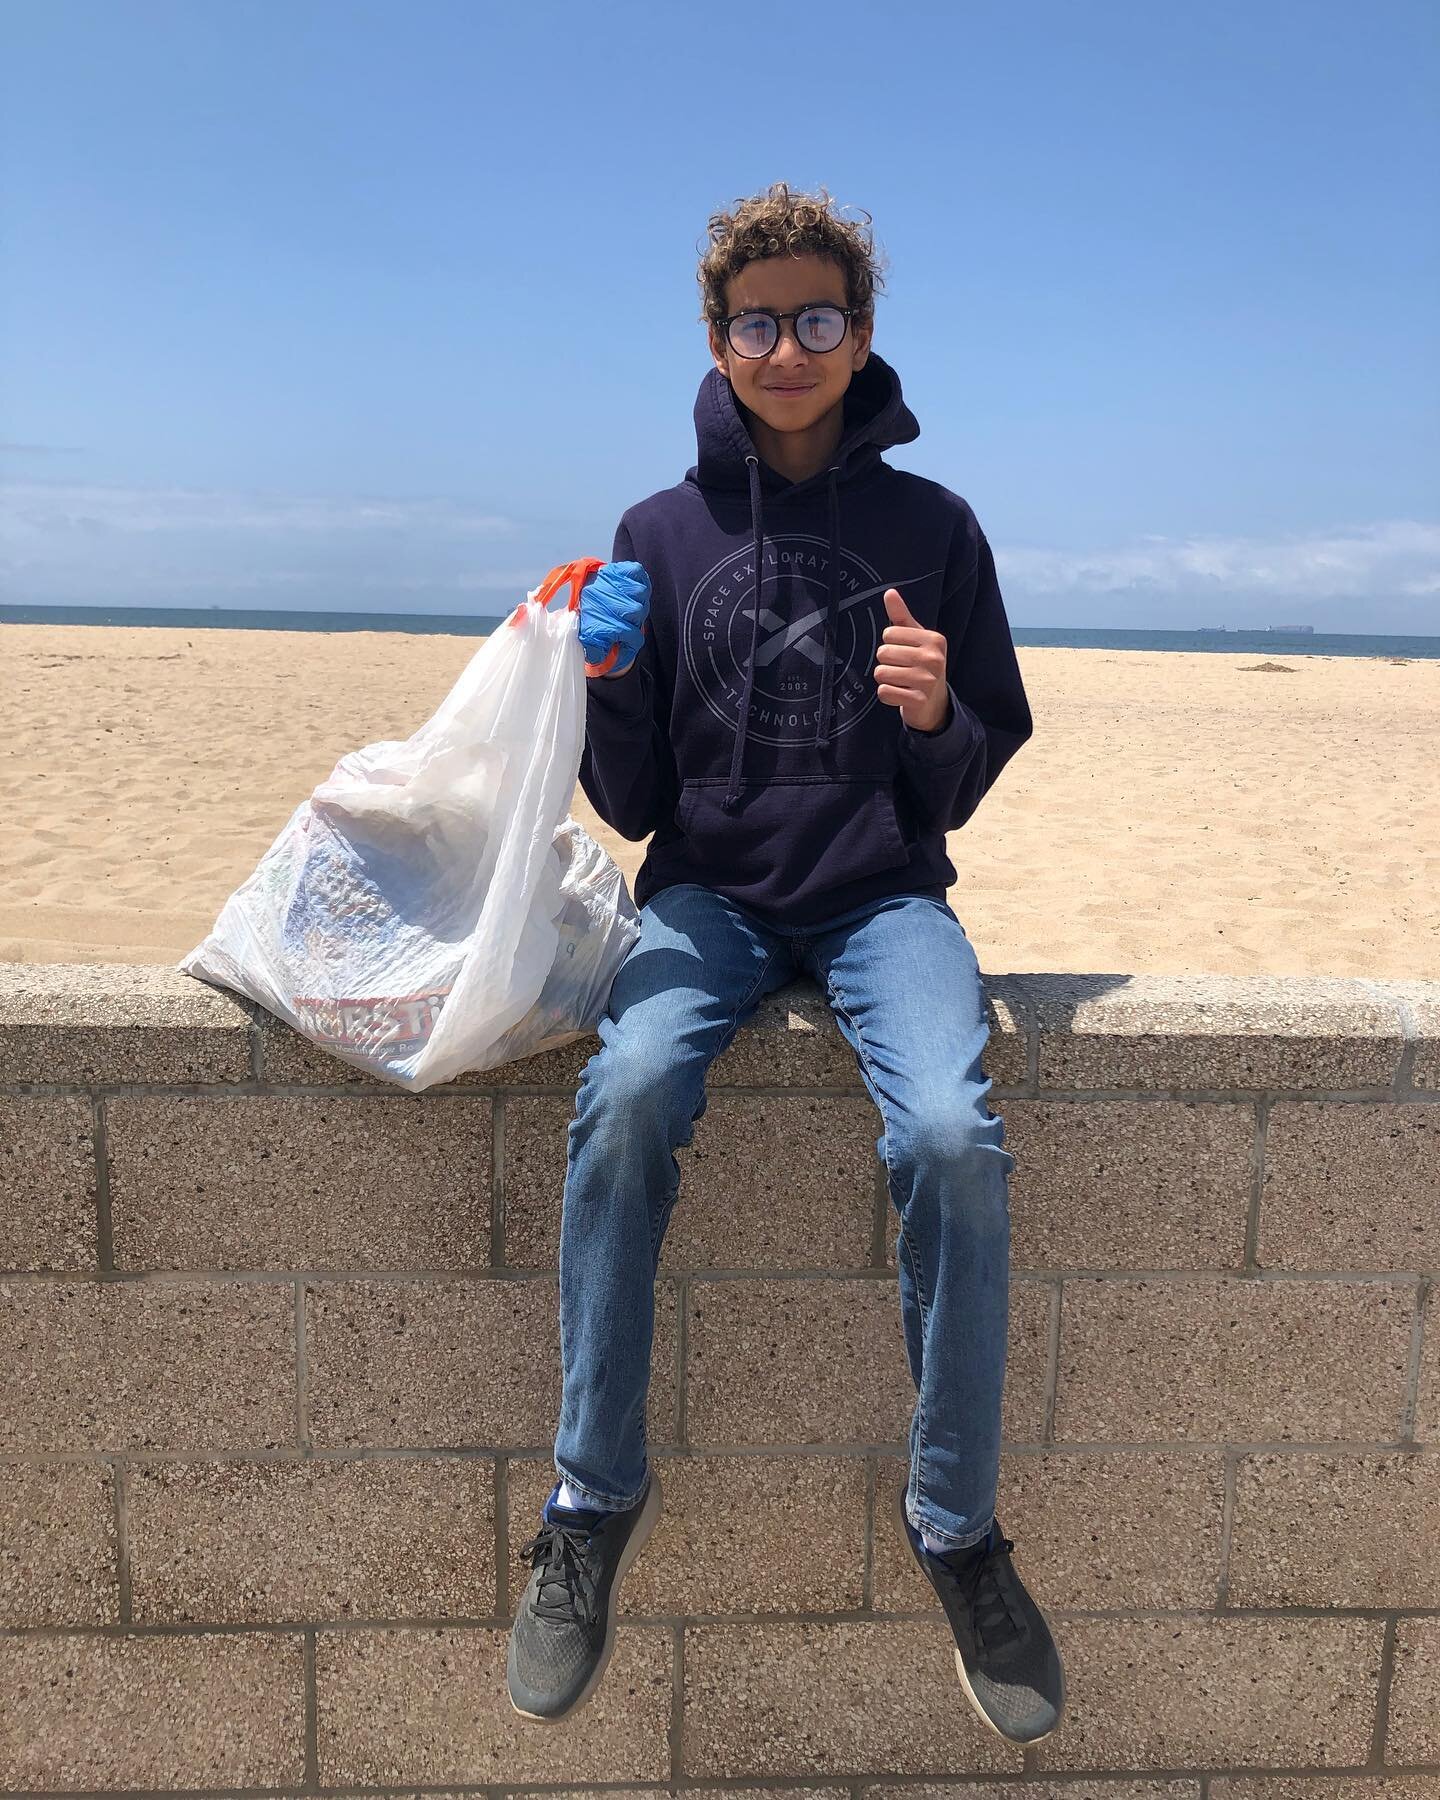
(432, 908)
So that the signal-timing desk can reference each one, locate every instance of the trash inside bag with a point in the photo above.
(432, 908)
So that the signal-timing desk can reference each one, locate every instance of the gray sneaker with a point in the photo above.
(564, 1627)
(1004, 1654)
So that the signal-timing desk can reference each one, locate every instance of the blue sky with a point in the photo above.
(392, 305)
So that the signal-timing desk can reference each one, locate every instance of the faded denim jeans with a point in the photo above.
(903, 982)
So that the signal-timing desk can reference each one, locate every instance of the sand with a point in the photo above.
(1177, 813)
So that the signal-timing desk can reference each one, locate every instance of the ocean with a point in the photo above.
(1274, 642)
(1278, 641)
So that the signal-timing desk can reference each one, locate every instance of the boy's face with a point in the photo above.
(790, 389)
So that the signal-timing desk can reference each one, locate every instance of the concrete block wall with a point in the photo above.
(279, 1373)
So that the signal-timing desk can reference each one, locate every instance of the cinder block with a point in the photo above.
(463, 1364)
(460, 1364)
(47, 1184)
(536, 1152)
(728, 1793)
(1129, 1184)
(1325, 1787)
(1336, 1531)
(403, 1706)
(1427, 1411)
(1414, 1732)
(1207, 1693)
(796, 1362)
(791, 1040)
(1007, 1790)
(1249, 1032)
(820, 1361)
(85, 1712)
(777, 1183)
(89, 1024)
(1098, 1530)
(731, 1535)
(57, 1545)
(1425, 1011)
(1231, 1360)
(186, 1365)
(288, 1059)
(1420, 1003)
(633, 1793)
(765, 1184)
(851, 1698)
(271, 1542)
(1027, 1361)
(259, 1182)
(1351, 1187)
(561, 1067)
(1006, 1059)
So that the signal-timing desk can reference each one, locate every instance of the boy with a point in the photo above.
(823, 684)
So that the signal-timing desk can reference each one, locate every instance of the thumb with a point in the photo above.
(899, 612)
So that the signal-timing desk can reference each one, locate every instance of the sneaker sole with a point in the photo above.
(988, 1723)
(969, 1692)
(644, 1525)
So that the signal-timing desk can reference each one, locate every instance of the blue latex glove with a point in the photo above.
(614, 605)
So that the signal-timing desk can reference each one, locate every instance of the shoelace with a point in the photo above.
(566, 1590)
(988, 1590)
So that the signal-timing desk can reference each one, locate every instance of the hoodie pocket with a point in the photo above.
(801, 836)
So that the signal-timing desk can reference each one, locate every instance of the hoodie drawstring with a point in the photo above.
(825, 715)
(757, 526)
(827, 694)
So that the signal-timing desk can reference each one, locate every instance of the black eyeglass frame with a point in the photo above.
(749, 312)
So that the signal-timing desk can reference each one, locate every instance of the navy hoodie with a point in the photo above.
(750, 739)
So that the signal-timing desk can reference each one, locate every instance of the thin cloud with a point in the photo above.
(43, 508)
(1399, 556)
(87, 542)
(90, 542)
(295, 582)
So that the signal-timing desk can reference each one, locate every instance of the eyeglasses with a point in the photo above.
(756, 331)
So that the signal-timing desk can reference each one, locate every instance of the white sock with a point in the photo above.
(571, 1501)
(945, 1549)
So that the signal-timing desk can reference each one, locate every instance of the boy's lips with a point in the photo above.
(798, 388)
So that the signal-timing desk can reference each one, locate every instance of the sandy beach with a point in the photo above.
(1175, 813)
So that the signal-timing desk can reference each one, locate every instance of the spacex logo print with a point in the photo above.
(793, 591)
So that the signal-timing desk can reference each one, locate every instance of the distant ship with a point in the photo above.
(1293, 630)
(1208, 628)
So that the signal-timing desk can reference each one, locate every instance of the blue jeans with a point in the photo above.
(904, 985)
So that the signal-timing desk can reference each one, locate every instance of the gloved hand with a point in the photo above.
(614, 605)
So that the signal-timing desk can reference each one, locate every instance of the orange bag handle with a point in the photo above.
(577, 573)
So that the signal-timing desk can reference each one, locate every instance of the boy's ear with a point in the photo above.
(863, 335)
(717, 350)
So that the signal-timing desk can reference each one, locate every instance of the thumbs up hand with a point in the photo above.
(910, 668)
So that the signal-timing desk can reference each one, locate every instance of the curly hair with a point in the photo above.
(782, 223)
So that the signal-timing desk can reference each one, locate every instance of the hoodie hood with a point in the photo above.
(875, 416)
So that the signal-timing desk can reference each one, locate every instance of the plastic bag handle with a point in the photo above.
(577, 573)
